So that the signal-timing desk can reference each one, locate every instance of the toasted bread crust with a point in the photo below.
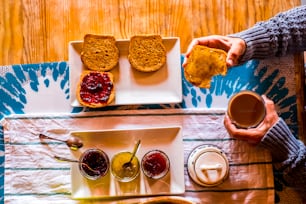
(100, 52)
(147, 53)
(203, 63)
(167, 199)
(111, 95)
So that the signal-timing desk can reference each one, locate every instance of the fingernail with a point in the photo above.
(230, 62)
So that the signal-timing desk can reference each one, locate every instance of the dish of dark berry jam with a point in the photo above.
(94, 163)
(155, 164)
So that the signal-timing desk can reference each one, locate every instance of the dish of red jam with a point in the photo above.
(96, 88)
(155, 164)
(93, 164)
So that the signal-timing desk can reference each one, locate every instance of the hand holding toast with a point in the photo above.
(235, 47)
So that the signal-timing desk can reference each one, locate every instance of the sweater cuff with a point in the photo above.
(257, 43)
(280, 142)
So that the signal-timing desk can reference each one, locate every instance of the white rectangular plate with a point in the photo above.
(133, 87)
(167, 139)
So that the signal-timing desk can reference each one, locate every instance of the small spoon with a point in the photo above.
(129, 163)
(73, 142)
(76, 161)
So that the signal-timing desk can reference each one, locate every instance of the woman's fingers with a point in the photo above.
(250, 135)
(213, 41)
(271, 113)
(235, 47)
(235, 52)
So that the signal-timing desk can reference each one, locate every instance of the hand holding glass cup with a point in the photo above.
(263, 119)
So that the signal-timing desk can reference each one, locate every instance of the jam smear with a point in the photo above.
(96, 88)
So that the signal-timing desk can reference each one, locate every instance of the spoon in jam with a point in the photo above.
(128, 164)
(76, 161)
(73, 143)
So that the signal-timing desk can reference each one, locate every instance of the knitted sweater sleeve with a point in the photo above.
(288, 154)
(282, 34)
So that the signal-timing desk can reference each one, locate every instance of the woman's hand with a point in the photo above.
(254, 135)
(235, 47)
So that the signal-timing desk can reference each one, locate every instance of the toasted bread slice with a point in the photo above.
(99, 52)
(204, 63)
(95, 89)
(147, 53)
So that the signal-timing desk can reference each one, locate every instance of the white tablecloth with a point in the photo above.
(33, 175)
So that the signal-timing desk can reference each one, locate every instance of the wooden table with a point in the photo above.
(39, 30)
(34, 31)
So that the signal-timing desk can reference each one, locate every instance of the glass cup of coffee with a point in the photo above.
(94, 164)
(246, 109)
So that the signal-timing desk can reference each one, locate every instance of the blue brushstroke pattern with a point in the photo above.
(13, 95)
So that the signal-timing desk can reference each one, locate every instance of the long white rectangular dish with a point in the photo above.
(167, 139)
(133, 87)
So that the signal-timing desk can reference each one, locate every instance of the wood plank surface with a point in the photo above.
(300, 71)
(33, 31)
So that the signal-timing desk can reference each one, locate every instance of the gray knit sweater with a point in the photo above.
(283, 34)
(288, 154)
